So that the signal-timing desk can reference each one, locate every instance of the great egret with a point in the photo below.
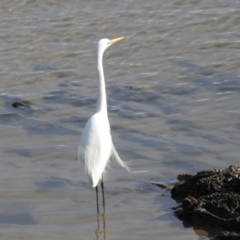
(96, 147)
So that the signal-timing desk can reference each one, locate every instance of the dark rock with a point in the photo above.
(220, 210)
(161, 185)
(20, 105)
(211, 198)
(207, 182)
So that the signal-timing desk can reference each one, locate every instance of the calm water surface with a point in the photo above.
(173, 92)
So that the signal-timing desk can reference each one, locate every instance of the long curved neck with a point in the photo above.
(102, 99)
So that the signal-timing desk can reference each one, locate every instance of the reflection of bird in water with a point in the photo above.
(98, 231)
(96, 146)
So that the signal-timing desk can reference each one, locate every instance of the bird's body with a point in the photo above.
(96, 141)
(96, 147)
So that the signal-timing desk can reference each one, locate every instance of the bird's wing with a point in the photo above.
(95, 144)
(116, 157)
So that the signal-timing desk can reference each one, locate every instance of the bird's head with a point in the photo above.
(104, 43)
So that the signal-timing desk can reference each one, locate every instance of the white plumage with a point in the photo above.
(96, 147)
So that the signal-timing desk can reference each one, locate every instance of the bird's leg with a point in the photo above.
(97, 199)
(103, 195)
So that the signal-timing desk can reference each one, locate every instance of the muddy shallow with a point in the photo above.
(173, 94)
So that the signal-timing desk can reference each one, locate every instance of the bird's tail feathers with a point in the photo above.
(119, 160)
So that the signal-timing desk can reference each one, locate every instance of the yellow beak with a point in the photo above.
(115, 40)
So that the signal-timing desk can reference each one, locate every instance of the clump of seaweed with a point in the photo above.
(207, 182)
(211, 198)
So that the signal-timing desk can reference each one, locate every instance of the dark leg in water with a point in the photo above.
(103, 195)
(97, 199)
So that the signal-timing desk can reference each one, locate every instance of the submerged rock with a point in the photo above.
(20, 105)
(227, 236)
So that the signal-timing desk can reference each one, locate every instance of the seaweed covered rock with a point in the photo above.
(221, 210)
(207, 182)
(211, 198)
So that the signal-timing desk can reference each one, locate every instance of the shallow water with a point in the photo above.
(173, 92)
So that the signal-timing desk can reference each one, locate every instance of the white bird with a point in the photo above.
(96, 147)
